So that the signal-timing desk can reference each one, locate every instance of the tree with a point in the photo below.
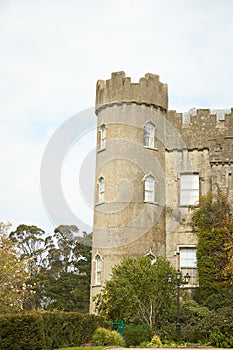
(15, 289)
(30, 244)
(64, 281)
(138, 292)
(213, 223)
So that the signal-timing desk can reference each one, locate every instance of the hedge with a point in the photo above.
(47, 330)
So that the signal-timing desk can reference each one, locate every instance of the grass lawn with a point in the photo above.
(84, 348)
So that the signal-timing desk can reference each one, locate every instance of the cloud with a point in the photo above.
(52, 54)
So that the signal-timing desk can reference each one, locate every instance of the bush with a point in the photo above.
(135, 335)
(47, 330)
(220, 340)
(106, 337)
(155, 341)
(22, 331)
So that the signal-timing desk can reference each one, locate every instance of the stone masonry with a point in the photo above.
(151, 164)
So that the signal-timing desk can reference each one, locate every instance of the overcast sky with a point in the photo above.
(52, 52)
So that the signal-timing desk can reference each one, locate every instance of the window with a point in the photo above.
(149, 188)
(188, 263)
(188, 257)
(101, 189)
(189, 189)
(98, 262)
(151, 256)
(103, 137)
(149, 135)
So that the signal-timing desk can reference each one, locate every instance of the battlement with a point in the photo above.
(119, 89)
(202, 118)
(198, 126)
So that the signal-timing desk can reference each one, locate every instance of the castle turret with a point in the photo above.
(130, 188)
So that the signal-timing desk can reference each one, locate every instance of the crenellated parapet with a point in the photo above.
(206, 129)
(120, 89)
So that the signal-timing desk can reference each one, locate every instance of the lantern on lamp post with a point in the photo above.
(178, 282)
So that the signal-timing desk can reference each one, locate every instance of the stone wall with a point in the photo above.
(200, 141)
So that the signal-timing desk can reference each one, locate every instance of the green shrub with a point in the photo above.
(155, 341)
(135, 335)
(106, 337)
(21, 332)
(200, 325)
(220, 340)
(47, 330)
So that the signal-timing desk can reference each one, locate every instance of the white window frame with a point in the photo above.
(189, 189)
(188, 258)
(188, 263)
(149, 135)
(103, 135)
(98, 269)
(149, 189)
(101, 189)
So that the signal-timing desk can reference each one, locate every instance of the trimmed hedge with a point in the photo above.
(47, 330)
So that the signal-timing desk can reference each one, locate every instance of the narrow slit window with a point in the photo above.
(101, 190)
(98, 262)
(149, 189)
(103, 137)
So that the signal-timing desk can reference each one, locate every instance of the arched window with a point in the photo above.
(149, 135)
(101, 189)
(98, 270)
(103, 137)
(151, 256)
(149, 188)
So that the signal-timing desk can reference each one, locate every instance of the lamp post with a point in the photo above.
(178, 282)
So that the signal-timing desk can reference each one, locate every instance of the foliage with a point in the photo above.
(15, 286)
(155, 341)
(29, 242)
(217, 322)
(47, 330)
(59, 266)
(220, 340)
(21, 331)
(135, 335)
(106, 337)
(199, 325)
(213, 222)
(138, 292)
(191, 316)
(64, 281)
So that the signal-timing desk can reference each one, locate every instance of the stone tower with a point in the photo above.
(130, 188)
(151, 165)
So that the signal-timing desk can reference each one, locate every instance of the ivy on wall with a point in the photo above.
(213, 223)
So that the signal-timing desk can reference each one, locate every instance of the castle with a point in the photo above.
(151, 165)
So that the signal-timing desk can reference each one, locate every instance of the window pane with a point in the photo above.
(188, 257)
(103, 131)
(149, 134)
(149, 195)
(189, 189)
(101, 190)
(103, 137)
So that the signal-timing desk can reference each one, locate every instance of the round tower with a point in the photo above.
(130, 164)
